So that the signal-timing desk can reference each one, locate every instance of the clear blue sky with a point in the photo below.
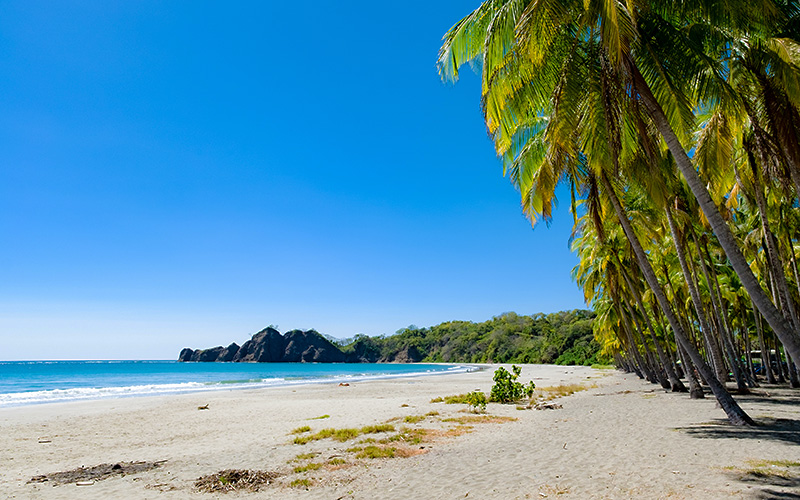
(185, 173)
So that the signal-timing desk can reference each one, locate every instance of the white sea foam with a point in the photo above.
(93, 393)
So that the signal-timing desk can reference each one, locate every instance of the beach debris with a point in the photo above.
(204, 407)
(235, 479)
(85, 476)
(344, 384)
(548, 406)
(44, 441)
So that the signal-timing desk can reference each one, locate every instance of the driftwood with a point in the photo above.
(87, 475)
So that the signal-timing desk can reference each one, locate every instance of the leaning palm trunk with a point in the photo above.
(695, 389)
(722, 324)
(713, 348)
(736, 414)
(780, 326)
(659, 373)
(766, 362)
(636, 357)
(675, 383)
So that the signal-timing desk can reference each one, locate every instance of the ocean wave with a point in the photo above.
(93, 393)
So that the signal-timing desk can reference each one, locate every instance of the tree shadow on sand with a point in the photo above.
(769, 480)
(768, 429)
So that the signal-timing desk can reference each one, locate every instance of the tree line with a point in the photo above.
(564, 338)
(675, 127)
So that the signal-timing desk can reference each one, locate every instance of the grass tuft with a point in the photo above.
(307, 467)
(376, 452)
(301, 483)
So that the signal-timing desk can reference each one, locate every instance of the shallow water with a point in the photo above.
(32, 382)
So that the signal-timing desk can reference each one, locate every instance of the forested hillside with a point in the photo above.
(563, 338)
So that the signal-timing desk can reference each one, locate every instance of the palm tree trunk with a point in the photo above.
(636, 356)
(780, 326)
(722, 322)
(695, 389)
(675, 383)
(716, 356)
(748, 346)
(736, 415)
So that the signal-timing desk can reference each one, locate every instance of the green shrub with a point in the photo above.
(506, 389)
(477, 401)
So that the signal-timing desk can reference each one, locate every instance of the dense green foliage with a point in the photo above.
(506, 389)
(563, 338)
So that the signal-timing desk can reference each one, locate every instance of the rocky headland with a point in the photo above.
(296, 346)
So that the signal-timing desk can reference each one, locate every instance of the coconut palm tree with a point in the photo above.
(535, 61)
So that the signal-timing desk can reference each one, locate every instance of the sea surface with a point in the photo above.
(36, 382)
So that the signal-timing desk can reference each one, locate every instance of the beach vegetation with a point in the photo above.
(414, 419)
(304, 456)
(376, 452)
(456, 399)
(506, 389)
(477, 401)
(307, 467)
(337, 461)
(301, 483)
(562, 390)
(301, 430)
(480, 419)
(321, 417)
(342, 435)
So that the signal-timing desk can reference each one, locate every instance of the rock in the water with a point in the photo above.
(186, 355)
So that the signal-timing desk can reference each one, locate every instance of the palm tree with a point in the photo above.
(580, 88)
(533, 55)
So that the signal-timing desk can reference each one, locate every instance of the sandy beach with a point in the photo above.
(619, 438)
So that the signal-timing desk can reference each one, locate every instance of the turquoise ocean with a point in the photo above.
(35, 382)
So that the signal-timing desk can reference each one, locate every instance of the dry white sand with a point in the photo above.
(622, 438)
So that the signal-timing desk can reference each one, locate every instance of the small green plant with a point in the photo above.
(301, 430)
(342, 435)
(301, 483)
(337, 461)
(414, 419)
(477, 401)
(320, 417)
(376, 452)
(304, 456)
(307, 467)
(506, 389)
(375, 429)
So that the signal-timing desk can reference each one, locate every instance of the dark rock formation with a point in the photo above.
(310, 347)
(266, 346)
(269, 346)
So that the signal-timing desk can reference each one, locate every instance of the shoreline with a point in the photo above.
(619, 438)
(194, 382)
